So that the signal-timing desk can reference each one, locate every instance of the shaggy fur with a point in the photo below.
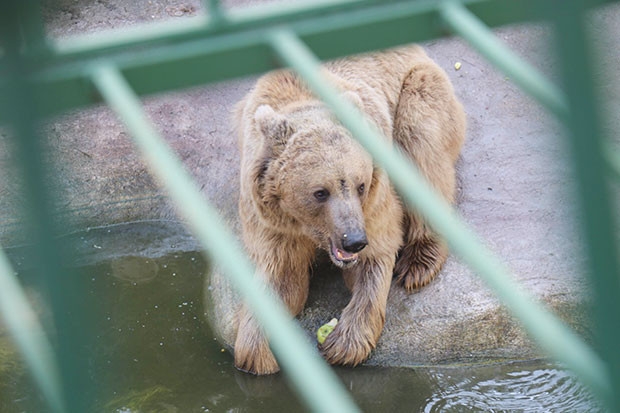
(307, 184)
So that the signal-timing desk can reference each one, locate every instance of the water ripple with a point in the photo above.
(539, 390)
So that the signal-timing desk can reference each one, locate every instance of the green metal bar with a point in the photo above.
(599, 215)
(313, 379)
(216, 14)
(166, 56)
(468, 26)
(23, 324)
(165, 65)
(112, 41)
(40, 224)
(613, 160)
(32, 31)
(317, 12)
(553, 336)
(196, 52)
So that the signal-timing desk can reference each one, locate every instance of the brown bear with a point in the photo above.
(307, 184)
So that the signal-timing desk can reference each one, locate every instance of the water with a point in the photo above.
(154, 352)
(519, 387)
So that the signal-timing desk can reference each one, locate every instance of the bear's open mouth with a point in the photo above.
(341, 256)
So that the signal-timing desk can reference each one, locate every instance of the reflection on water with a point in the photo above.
(154, 352)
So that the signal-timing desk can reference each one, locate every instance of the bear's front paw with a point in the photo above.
(347, 346)
(255, 357)
(260, 363)
(418, 263)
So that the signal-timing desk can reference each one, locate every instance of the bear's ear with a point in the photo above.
(274, 126)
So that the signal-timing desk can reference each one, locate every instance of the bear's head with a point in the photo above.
(315, 176)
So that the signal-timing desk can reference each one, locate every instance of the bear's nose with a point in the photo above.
(354, 241)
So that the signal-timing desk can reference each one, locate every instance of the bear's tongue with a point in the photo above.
(343, 255)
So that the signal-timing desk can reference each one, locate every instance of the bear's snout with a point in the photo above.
(354, 241)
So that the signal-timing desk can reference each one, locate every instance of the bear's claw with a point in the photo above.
(418, 263)
(345, 347)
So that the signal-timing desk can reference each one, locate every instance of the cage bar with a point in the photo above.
(599, 220)
(312, 379)
(30, 338)
(468, 26)
(39, 77)
(552, 335)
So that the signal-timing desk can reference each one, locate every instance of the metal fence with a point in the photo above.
(40, 77)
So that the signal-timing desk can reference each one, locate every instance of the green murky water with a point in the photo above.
(154, 352)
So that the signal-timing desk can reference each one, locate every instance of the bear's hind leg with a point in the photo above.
(429, 126)
(421, 257)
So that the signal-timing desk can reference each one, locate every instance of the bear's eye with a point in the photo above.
(321, 195)
(360, 189)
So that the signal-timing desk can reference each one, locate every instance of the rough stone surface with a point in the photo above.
(515, 186)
